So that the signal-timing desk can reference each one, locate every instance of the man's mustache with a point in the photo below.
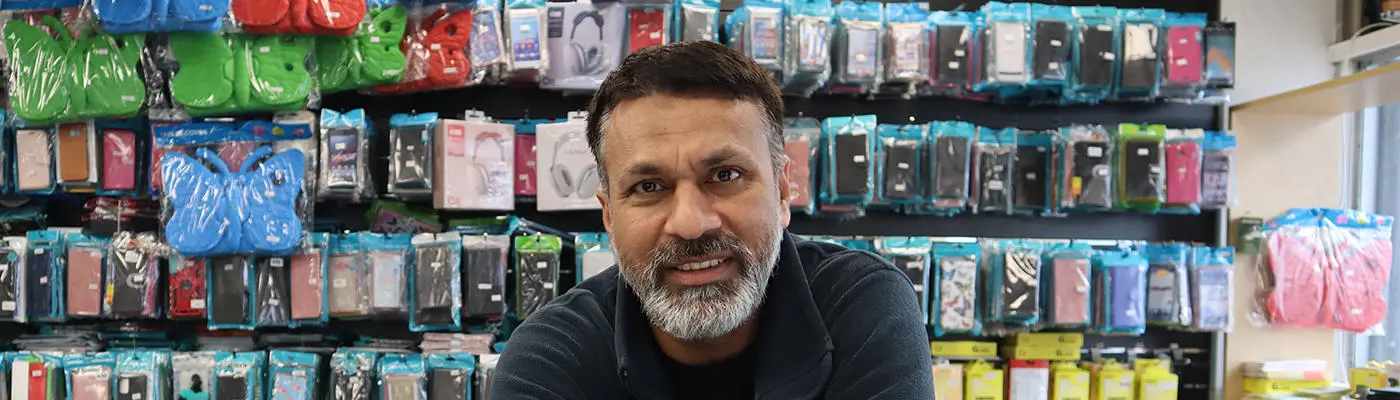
(673, 252)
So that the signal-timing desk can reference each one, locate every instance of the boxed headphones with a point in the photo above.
(566, 169)
(482, 150)
(585, 42)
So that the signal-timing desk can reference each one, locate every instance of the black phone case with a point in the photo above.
(39, 293)
(1094, 68)
(350, 387)
(1032, 176)
(952, 41)
(1093, 172)
(128, 295)
(951, 160)
(1021, 286)
(535, 281)
(1142, 169)
(1048, 60)
(412, 158)
(484, 269)
(994, 167)
(445, 386)
(274, 291)
(901, 183)
(136, 388)
(8, 289)
(432, 295)
(229, 304)
(231, 388)
(851, 154)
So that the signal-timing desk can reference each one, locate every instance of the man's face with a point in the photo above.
(695, 209)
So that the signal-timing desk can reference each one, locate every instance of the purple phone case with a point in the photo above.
(1127, 304)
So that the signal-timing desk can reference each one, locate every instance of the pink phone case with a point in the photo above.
(525, 165)
(1071, 291)
(1184, 54)
(91, 387)
(118, 160)
(799, 152)
(306, 285)
(84, 282)
(34, 153)
(1183, 172)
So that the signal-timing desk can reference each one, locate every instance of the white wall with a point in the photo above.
(1280, 45)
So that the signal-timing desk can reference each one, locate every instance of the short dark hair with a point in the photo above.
(697, 67)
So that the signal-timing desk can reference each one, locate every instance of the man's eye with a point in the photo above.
(726, 175)
(648, 187)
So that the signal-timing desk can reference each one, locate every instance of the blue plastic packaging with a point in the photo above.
(436, 283)
(1067, 272)
(293, 375)
(1168, 293)
(913, 256)
(1120, 279)
(849, 177)
(898, 166)
(856, 56)
(955, 306)
(1097, 44)
(696, 20)
(1141, 54)
(458, 366)
(243, 369)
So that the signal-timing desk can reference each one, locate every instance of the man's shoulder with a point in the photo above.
(829, 264)
(588, 308)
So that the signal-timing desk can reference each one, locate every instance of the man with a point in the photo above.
(712, 298)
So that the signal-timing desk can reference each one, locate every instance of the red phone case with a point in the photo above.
(38, 381)
(525, 165)
(1183, 172)
(187, 290)
(646, 28)
(1184, 54)
(306, 284)
(118, 159)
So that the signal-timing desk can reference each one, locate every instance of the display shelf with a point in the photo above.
(1371, 88)
(1365, 46)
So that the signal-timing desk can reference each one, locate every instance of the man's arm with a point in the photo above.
(877, 328)
(560, 352)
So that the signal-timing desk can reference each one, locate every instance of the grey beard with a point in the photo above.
(711, 311)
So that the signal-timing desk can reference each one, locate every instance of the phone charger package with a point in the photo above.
(475, 166)
(585, 43)
(565, 168)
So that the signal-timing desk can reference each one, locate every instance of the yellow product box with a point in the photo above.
(1068, 382)
(948, 381)
(1112, 382)
(1041, 353)
(1042, 339)
(1281, 386)
(1157, 383)
(963, 349)
(984, 382)
(1372, 376)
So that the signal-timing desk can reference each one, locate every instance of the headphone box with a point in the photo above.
(565, 170)
(585, 43)
(474, 165)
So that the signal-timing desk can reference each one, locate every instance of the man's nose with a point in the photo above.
(692, 215)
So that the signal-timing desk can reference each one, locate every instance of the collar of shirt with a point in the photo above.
(792, 351)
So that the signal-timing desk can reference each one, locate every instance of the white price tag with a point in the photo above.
(541, 264)
(547, 285)
(449, 70)
(275, 89)
(918, 287)
(435, 47)
(391, 72)
(860, 158)
(265, 49)
(7, 306)
(313, 281)
(228, 267)
(495, 297)
(994, 185)
(1103, 28)
(134, 278)
(338, 283)
(1030, 176)
(128, 98)
(953, 65)
(902, 165)
(340, 146)
(1181, 62)
(101, 52)
(959, 53)
(1109, 56)
(900, 187)
(1154, 169)
(45, 279)
(1143, 151)
(1055, 43)
(197, 304)
(93, 286)
(38, 251)
(1053, 65)
(483, 286)
(1095, 152)
(275, 261)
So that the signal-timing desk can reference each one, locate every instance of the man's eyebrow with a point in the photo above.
(719, 157)
(643, 169)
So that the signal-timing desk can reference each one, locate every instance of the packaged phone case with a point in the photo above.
(808, 47)
(857, 60)
(1007, 43)
(1067, 288)
(756, 30)
(14, 280)
(389, 259)
(142, 375)
(193, 374)
(1089, 179)
(1013, 269)
(696, 20)
(85, 258)
(1217, 170)
(348, 272)
(1212, 282)
(272, 304)
(411, 155)
(1051, 46)
(44, 271)
(230, 292)
(849, 177)
(595, 254)
(293, 375)
(345, 156)
(995, 159)
(954, 310)
(1220, 55)
(450, 375)
(950, 158)
(1184, 64)
(647, 24)
(484, 260)
(897, 167)
(187, 282)
(536, 272)
(1168, 282)
(352, 374)
(529, 60)
(89, 375)
(1183, 170)
(1097, 36)
(1141, 54)
(1034, 172)
(436, 282)
(239, 376)
(76, 151)
(1141, 162)
(487, 46)
(402, 377)
(906, 44)
(802, 144)
(914, 257)
(34, 161)
(133, 273)
(1120, 288)
(955, 45)
(310, 305)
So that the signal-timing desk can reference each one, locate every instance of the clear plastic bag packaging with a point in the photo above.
(76, 156)
(484, 275)
(1096, 47)
(1141, 159)
(450, 375)
(217, 74)
(1168, 282)
(1183, 171)
(487, 154)
(272, 305)
(122, 17)
(402, 377)
(187, 281)
(594, 254)
(950, 156)
(488, 50)
(436, 55)
(304, 17)
(293, 375)
(536, 272)
(898, 165)
(369, 57)
(857, 58)
(697, 20)
(486, 370)
(955, 47)
(1212, 282)
(1217, 170)
(239, 376)
(913, 255)
(63, 70)
(37, 376)
(756, 30)
(1184, 59)
(1220, 56)
(133, 276)
(411, 155)
(388, 257)
(995, 155)
(906, 48)
(117, 163)
(566, 167)
(1326, 267)
(307, 281)
(142, 375)
(1034, 173)
(849, 178)
(1013, 269)
(589, 45)
(230, 292)
(437, 282)
(1120, 289)
(1007, 43)
(85, 257)
(13, 280)
(345, 156)
(352, 374)
(955, 309)
(44, 274)
(802, 144)
(648, 24)
(1088, 182)
(1051, 46)
(808, 46)
(1141, 54)
(34, 161)
(529, 59)
(1067, 290)
(193, 373)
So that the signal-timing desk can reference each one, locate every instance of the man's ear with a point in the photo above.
(607, 216)
(785, 191)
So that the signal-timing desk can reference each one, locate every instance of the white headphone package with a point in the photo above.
(565, 171)
(585, 42)
(475, 165)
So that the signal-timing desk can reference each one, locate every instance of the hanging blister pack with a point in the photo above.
(1067, 292)
(756, 30)
(238, 376)
(450, 376)
(490, 180)
(1051, 46)
(34, 161)
(437, 282)
(348, 270)
(536, 272)
(955, 264)
(913, 255)
(899, 148)
(85, 258)
(1185, 59)
(1220, 55)
(1034, 171)
(401, 377)
(1007, 42)
(13, 277)
(272, 305)
(529, 60)
(595, 254)
(293, 375)
(995, 155)
(411, 155)
(1168, 297)
(89, 375)
(955, 43)
(352, 374)
(1088, 163)
(1120, 289)
(1183, 170)
(950, 160)
(308, 283)
(1141, 160)
(1013, 269)
(566, 166)
(1217, 170)
(808, 47)
(345, 156)
(193, 374)
(802, 144)
(484, 275)
(141, 375)
(229, 295)
(133, 273)
(388, 257)
(1096, 43)
(44, 257)
(906, 44)
(849, 177)
(1141, 54)
(1212, 282)
(648, 24)
(857, 58)
(585, 42)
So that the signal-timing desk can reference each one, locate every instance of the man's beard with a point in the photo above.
(702, 313)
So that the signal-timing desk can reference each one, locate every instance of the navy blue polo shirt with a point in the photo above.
(836, 324)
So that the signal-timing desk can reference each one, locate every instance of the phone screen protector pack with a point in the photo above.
(1220, 55)
(808, 45)
(536, 272)
(585, 42)
(484, 279)
(436, 284)
(565, 169)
